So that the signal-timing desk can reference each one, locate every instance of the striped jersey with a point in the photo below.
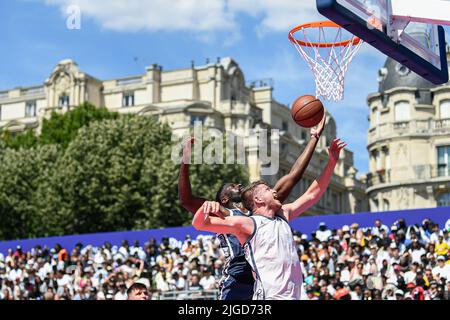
(235, 265)
(272, 254)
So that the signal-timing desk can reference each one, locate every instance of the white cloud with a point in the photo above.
(193, 15)
(277, 15)
(154, 15)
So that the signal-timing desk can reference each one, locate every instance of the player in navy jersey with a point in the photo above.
(237, 280)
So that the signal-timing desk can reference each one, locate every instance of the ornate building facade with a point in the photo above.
(215, 94)
(408, 141)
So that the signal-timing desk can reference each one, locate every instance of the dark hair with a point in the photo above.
(247, 194)
(136, 286)
(222, 188)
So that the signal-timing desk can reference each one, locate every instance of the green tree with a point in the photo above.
(22, 173)
(61, 129)
(26, 139)
(114, 174)
(99, 183)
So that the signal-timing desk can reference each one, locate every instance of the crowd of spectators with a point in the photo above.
(382, 262)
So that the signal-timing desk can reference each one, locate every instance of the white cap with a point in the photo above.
(399, 292)
(345, 228)
(393, 245)
(144, 281)
(304, 236)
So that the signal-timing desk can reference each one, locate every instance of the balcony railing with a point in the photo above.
(379, 177)
(128, 81)
(32, 91)
(426, 127)
(413, 173)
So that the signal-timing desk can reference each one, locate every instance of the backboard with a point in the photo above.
(415, 43)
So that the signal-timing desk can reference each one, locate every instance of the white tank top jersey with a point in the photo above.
(272, 253)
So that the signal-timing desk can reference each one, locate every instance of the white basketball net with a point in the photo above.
(328, 64)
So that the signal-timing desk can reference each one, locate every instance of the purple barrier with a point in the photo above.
(309, 224)
(303, 224)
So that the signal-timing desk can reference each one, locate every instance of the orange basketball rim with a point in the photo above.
(323, 46)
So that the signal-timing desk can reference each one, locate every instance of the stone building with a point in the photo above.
(408, 141)
(215, 94)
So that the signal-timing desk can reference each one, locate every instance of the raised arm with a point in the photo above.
(187, 200)
(318, 187)
(241, 226)
(285, 185)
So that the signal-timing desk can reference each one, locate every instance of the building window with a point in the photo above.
(376, 116)
(358, 205)
(128, 99)
(346, 169)
(444, 200)
(195, 119)
(377, 157)
(388, 159)
(30, 109)
(285, 126)
(445, 109)
(375, 203)
(335, 202)
(64, 101)
(443, 161)
(402, 111)
(385, 205)
(303, 135)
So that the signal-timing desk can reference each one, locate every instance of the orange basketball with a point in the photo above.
(307, 111)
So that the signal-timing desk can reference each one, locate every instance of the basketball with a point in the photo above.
(307, 111)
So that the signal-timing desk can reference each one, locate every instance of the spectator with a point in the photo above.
(442, 248)
(138, 291)
(208, 282)
(399, 294)
(63, 255)
(323, 233)
(346, 263)
(442, 270)
(434, 236)
(376, 230)
(194, 283)
(122, 294)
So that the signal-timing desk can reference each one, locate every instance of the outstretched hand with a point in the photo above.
(335, 149)
(317, 130)
(187, 149)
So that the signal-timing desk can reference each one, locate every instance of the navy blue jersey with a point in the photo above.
(236, 265)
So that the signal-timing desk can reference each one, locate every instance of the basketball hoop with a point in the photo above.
(328, 61)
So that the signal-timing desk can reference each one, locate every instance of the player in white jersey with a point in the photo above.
(266, 235)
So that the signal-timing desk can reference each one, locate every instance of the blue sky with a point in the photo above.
(34, 37)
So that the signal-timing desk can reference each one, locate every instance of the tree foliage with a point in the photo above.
(95, 171)
(61, 129)
(23, 173)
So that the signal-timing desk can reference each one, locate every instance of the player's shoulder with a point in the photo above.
(237, 212)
